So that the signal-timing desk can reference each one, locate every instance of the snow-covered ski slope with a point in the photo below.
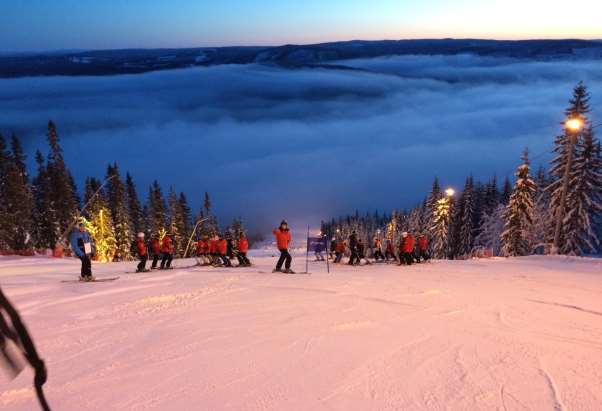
(500, 334)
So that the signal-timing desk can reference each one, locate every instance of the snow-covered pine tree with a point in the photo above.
(5, 163)
(116, 199)
(136, 212)
(99, 222)
(156, 209)
(16, 198)
(45, 222)
(518, 216)
(584, 199)
(440, 228)
(175, 222)
(431, 203)
(465, 219)
(185, 217)
(492, 227)
(506, 191)
(63, 192)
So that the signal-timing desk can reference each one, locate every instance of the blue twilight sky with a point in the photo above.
(69, 24)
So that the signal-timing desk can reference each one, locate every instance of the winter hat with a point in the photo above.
(141, 235)
(283, 222)
(404, 234)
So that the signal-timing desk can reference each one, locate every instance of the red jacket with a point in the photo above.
(283, 237)
(167, 245)
(222, 246)
(141, 247)
(340, 248)
(213, 246)
(202, 247)
(407, 244)
(423, 243)
(243, 245)
(156, 245)
(377, 243)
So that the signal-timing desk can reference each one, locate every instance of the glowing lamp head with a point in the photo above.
(450, 192)
(574, 124)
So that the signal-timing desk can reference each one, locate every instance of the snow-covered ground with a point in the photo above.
(501, 334)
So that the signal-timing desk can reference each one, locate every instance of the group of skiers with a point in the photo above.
(220, 250)
(408, 251)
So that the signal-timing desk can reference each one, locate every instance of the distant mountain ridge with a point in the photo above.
(131, 61)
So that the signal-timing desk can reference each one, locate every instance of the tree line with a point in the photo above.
(35, 212)
(515, 219)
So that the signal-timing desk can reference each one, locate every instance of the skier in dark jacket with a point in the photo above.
(355, 258)
(390, 251)
(333, 247)
(142, 252)
(84, 248)
(361, 252)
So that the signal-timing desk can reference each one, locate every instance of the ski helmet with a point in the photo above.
(141, 235)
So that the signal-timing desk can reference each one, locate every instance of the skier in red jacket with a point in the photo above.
(283, 238)
(167, 250)
(202, 251)
(222, 249)
(406, 248)
(142, 253)
(243, 248)
(423, 247)
(156, 249)
(339, 251)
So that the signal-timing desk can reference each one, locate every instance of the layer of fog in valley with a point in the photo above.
(269, 142)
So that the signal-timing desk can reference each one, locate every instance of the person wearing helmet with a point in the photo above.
(84, 248)
(243, 248)
(222, 249)
(283, 238)
(142, 252)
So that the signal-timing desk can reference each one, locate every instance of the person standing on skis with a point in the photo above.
(390, 251)
(406, 248)
(243, 248)
(222, 249)
(339, 251)
(423, 248)
(167, 250)
(84, 248)
(378, 253)
(355, 258)
(333, 246)
(142, 253)
(283, 239)
(156, 249)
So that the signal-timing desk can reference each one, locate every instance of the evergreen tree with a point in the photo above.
(584, 199)
(566, 147)
(46, 228)
(465, 219)
(63, 192)
(156, 209)
(440, 228)
(99, 221)
(506, 191)
(175, 222)
(117, 203)
(492, 227)
(15, 198)
(136, 212)
(5, 166)
(185, 218)
(518, 216)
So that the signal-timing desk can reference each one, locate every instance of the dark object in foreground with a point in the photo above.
(18, 334)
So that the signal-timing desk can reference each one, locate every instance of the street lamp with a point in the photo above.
(574, 127)
(450, 192)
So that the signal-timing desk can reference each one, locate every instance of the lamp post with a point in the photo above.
(573, 127)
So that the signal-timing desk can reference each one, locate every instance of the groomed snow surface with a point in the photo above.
(499, 334)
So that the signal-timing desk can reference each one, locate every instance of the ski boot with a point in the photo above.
(288, 271)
